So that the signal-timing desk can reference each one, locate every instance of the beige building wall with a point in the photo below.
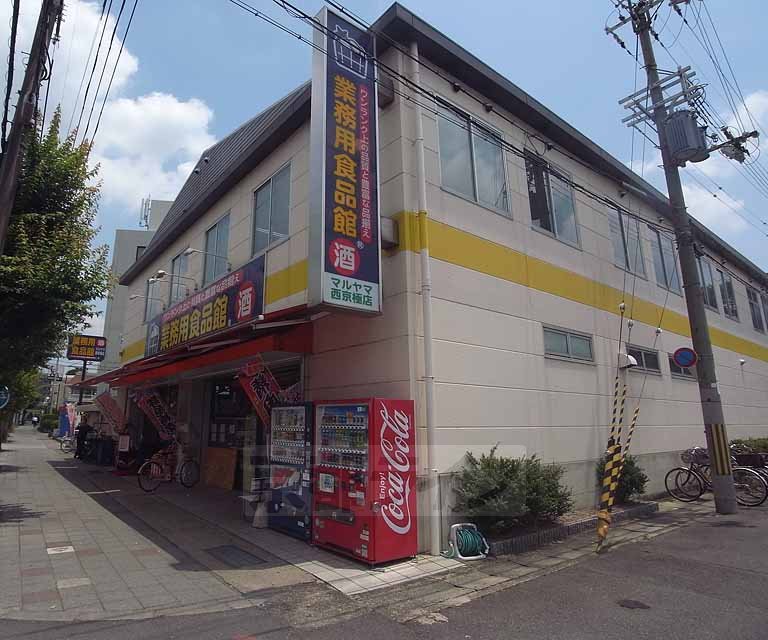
(496, 282)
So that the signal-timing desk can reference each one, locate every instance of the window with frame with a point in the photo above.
(271, 205)
(764, 300)
(567, 344)
(216, 251)
(472, 159)
(153, 304)
(625, 235)
(728, 295)
(140, 249)
(553, 208)
(678, 371)
(664, 261)
(647, 359)
(707, 282)
(754, 309)
(179, 266)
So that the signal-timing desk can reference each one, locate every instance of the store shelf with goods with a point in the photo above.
(341, 427)
(287, 460)
(288, 443)
(328, 465)
(362, 452)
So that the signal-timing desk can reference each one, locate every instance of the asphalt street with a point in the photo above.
(707, 579)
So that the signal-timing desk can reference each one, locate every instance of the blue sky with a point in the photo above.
(193, 70)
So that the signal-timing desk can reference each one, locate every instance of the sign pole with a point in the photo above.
(82, 378)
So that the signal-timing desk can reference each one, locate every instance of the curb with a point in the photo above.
(530, 541)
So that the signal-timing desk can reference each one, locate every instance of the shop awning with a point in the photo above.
(293, 339)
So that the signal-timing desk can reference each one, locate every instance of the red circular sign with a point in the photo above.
(685, 357)
(344, 256)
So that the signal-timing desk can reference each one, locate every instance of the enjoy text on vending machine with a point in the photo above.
(365, 479)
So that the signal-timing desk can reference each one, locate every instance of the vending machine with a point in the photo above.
(290, 468)
(365, 479)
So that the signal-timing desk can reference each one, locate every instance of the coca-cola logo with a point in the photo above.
(395, 485)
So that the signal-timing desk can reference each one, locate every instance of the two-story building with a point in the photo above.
(536, 236)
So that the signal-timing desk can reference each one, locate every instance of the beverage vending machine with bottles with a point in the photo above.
(290, 463)
(365, 479)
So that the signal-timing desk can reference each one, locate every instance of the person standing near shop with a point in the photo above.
(82, 437)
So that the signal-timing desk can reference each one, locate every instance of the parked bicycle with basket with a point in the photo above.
(688, 484)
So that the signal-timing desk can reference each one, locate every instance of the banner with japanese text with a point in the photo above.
(235, 299)
(110, 411)
(264, 391)
(345, 211)
(157, 411)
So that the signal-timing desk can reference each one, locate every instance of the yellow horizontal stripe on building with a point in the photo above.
(286, 282)
(467, 250)
(132, 351)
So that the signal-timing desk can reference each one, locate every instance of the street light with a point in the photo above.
(136, 296)
(161, 274)
(189, 251)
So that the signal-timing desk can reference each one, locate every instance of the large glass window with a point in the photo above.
(754, 309)
(271, 205)
(153, 302)
(179, 287)
(471, 159)
(678, 371)
(664, 261)
(216, 251)
(551, 199)
(707, 283)
(728, 295)
(625, 235)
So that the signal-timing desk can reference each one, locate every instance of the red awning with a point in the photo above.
(296, 339)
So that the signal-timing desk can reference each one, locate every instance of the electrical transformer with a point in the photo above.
(686, 139)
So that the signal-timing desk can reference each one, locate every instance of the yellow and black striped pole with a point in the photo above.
(613, 456)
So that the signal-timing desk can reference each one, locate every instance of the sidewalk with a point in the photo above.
(77, 542)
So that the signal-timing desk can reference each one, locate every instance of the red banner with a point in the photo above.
(264, 391)
(111, 411)
(158, 413)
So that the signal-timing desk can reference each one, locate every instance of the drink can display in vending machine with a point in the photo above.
(365, 479)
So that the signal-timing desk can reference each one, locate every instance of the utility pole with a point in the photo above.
(23, 118)
(711, 405)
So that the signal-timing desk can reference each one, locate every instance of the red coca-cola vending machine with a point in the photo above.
(365, 479)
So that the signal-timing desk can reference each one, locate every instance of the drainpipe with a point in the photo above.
(426, 302)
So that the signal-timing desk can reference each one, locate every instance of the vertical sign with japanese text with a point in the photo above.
(345, 247)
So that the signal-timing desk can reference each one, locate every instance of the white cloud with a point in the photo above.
(714, 212)
(148, 145)
(145, 145)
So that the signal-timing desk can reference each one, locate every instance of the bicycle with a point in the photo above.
(688, 484)
(67, 444)
(160, 468)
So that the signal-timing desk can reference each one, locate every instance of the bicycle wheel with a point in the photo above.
(150, 476)
(705, 472)
(751, 487)
(189, 475)
(683, 484)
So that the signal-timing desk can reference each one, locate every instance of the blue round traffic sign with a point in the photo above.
(5, 397)
(685, 357)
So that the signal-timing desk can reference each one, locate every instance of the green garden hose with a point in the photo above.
(470, 543)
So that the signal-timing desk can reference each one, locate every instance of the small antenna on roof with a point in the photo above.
(146, 208)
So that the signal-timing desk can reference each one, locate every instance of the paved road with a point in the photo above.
(704, 580)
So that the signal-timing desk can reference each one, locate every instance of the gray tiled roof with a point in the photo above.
(223, 165)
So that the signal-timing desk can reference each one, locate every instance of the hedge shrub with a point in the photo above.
(496, 492)
(632, 482)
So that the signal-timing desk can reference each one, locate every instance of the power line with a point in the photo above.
(51, 60)
(491, 137)
(87, 63)
(93, 69)
(114, 70)
(721, 188)
(9, 78)
(104, 68)
(727, 204)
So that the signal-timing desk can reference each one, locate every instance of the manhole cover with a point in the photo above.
(234, 557)
(632, 604)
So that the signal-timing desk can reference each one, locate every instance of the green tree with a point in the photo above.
(25, 392)
(50, 272)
